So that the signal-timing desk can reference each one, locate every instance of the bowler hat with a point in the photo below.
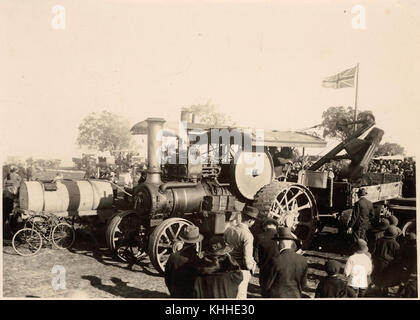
(217, 246)
(284, 233)
(191, 234)
(251, 212)
(391, 232)
(381, 226)
(268, 221)
(332, 267)
(361, 246)
(361, 192)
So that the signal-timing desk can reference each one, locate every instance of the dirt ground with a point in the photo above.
(92, 272)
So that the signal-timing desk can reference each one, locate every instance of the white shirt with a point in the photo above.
(358, 268)
(242, 241)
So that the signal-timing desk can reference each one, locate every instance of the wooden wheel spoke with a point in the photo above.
(166, 237)
(172, 232)
(178, 231)
(161, 254)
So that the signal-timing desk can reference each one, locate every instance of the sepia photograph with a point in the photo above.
(226, 149)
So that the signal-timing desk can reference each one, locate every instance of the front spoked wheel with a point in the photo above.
(27, 242)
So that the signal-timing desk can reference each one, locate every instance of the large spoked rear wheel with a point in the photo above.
(292, 205)
(27, 242)
(124, 235)
(63, 235)
(165, 240)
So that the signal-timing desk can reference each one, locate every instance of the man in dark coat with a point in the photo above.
(179, 269)
(265, 248)
(286, 273)
(218, 275)
(386, 252)
(362, 217)
(332, 286)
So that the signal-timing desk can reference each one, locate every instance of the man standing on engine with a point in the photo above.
(362, 217)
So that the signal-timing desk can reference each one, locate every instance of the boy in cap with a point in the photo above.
(240, 238)
(332, 286)
(179, 268)
(286, 273)
(358, 268)
(393, 221)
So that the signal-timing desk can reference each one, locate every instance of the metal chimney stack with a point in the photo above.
(154, 142)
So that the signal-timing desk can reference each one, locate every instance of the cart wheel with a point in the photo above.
(124, 235)
(165, 240)
(63, 235)
(409, 227)
(27, 242)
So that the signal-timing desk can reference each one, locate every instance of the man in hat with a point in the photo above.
(358, 268)
(377, 233)
(286, 273)
(179, 268)
(14, 177)
(240, 238)
(332, 286)
(217, 275)
(387, 251)
(362, 217)
(265, 248)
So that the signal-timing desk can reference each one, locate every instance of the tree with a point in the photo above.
(335, 121)
(389, 149)
(207, 114)
(104, 132)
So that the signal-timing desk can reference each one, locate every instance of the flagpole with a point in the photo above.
(355, 99)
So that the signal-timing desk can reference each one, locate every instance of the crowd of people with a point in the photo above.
(381, 258)
(406, 168)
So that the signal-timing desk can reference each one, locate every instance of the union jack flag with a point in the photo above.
(343, 79)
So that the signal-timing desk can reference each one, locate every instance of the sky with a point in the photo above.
(261, 62)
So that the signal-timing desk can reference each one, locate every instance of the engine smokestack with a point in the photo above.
(186, 116)
(154, 142)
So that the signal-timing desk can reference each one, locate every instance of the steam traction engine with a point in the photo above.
(211, 195)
